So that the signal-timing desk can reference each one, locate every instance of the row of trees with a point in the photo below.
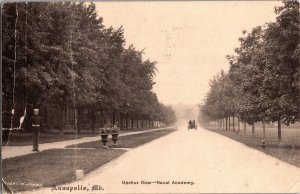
(61, 54)
(263, 82)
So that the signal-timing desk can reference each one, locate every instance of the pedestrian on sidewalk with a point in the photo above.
(35, 121)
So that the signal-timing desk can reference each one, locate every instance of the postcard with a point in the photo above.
(150, 97)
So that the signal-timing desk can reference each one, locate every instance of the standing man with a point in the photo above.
(35, 121)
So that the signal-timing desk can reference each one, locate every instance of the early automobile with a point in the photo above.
(192, 125)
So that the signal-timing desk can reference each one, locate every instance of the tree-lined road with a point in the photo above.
(211, 162)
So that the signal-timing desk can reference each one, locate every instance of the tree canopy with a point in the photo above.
(61, 53)
(263, 80)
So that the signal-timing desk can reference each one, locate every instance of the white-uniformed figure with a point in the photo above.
(35, 121)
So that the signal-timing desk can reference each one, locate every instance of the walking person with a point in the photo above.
(35, 121)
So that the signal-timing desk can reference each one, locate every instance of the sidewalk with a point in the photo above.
(14, 151)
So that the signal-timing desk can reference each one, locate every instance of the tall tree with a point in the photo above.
(281, 80)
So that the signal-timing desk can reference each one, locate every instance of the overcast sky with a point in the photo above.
(189, 40)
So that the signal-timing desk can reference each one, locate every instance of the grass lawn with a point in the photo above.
(130, 141)
(288, 149)
(52, 167)
(57, 166)
(21, 138)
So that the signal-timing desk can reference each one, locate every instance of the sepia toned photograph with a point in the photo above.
(150, 97)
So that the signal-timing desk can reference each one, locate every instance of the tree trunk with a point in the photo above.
(233, 123)
(253, 128)
(226, 123)
(229, 123)
(279, 130)
(264, 129)
(114, 118)
(105, 117)
(121, 121)
(93, 121)
(239, 127)
(102, 119)
(126, 120)
(78, 119)
(220, 122)
(131, 122)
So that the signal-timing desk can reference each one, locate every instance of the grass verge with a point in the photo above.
(287, 150)
(130, 141)
(57, 166)
(22, 138)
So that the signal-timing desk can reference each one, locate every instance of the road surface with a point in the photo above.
(202, 161)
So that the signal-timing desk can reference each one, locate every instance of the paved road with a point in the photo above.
(207, 161)
(14, 151)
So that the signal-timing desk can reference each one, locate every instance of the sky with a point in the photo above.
(189, 40)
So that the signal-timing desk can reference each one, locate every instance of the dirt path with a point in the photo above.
(207, 161)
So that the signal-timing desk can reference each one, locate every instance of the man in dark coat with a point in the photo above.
(35, 121)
